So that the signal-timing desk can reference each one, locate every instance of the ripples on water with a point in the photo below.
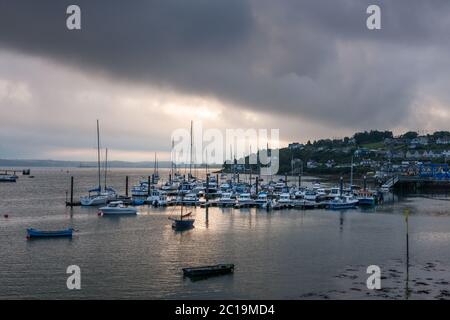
(290, 254)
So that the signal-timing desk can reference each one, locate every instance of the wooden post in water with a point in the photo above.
(299, 180)
(257, 182)
(71, 191)
(207, 186)
(341, 186)
(365, 183)
(148, 185)
(285, 180)
(126, 186)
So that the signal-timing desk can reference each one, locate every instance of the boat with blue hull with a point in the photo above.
(185, 224)
(366, 198)
(182, 223)
(344, 202)
(34, 233)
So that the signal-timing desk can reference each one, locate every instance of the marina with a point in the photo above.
(278, 242)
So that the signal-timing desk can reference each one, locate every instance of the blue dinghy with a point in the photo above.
(33, 233)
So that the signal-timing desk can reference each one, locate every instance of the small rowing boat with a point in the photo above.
(218, 269)
(34, 233)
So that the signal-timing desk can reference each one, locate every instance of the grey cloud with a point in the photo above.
(307, 59)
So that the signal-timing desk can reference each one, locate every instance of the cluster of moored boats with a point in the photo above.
(196, 192)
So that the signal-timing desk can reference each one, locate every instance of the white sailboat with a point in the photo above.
(95, 196)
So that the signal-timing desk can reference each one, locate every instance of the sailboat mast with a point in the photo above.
(106, 165)
(351, 175)
(190, 160)
(171, 160)
(98, 155)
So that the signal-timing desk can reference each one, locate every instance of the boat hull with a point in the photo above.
(94, 201)
(207, 271)
(183, 224)
(341, 206)
(8, 179)
(106, 211)
(366, 201)
(33, 233)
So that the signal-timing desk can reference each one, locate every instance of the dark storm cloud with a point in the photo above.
(311, 59)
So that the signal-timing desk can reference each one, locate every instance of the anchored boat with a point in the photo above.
(344, 202)
(34, 233)
(117, 208)
(218, 269)
(8, 178)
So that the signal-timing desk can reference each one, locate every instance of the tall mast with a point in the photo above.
(190, 162)
(106, 165)
(351, 175)
(171, 160)
(98, 156)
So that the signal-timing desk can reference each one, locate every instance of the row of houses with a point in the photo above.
(418, 141)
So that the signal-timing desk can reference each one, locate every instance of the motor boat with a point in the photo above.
(117, 208)
(140, 190)
(261, 200)
(8, 178)
(310, 195)
(284, 200)
(191, 199)
(157, 197)
(244, 200)
(366, 198)
(343, 202)
(225, 200)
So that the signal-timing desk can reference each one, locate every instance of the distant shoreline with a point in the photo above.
(22, 163)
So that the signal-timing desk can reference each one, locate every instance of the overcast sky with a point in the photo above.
(310, 68)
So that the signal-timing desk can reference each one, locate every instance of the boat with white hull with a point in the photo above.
(117, 208)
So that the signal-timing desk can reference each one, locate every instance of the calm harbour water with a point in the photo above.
(288, 254)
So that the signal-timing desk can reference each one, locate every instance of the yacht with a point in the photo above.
(284, 200)
(117, 208)
(310, 195)
(244, 200)
(226, 200)
(261, 200)
(157, 197)
(98, 198)
(191, 199)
